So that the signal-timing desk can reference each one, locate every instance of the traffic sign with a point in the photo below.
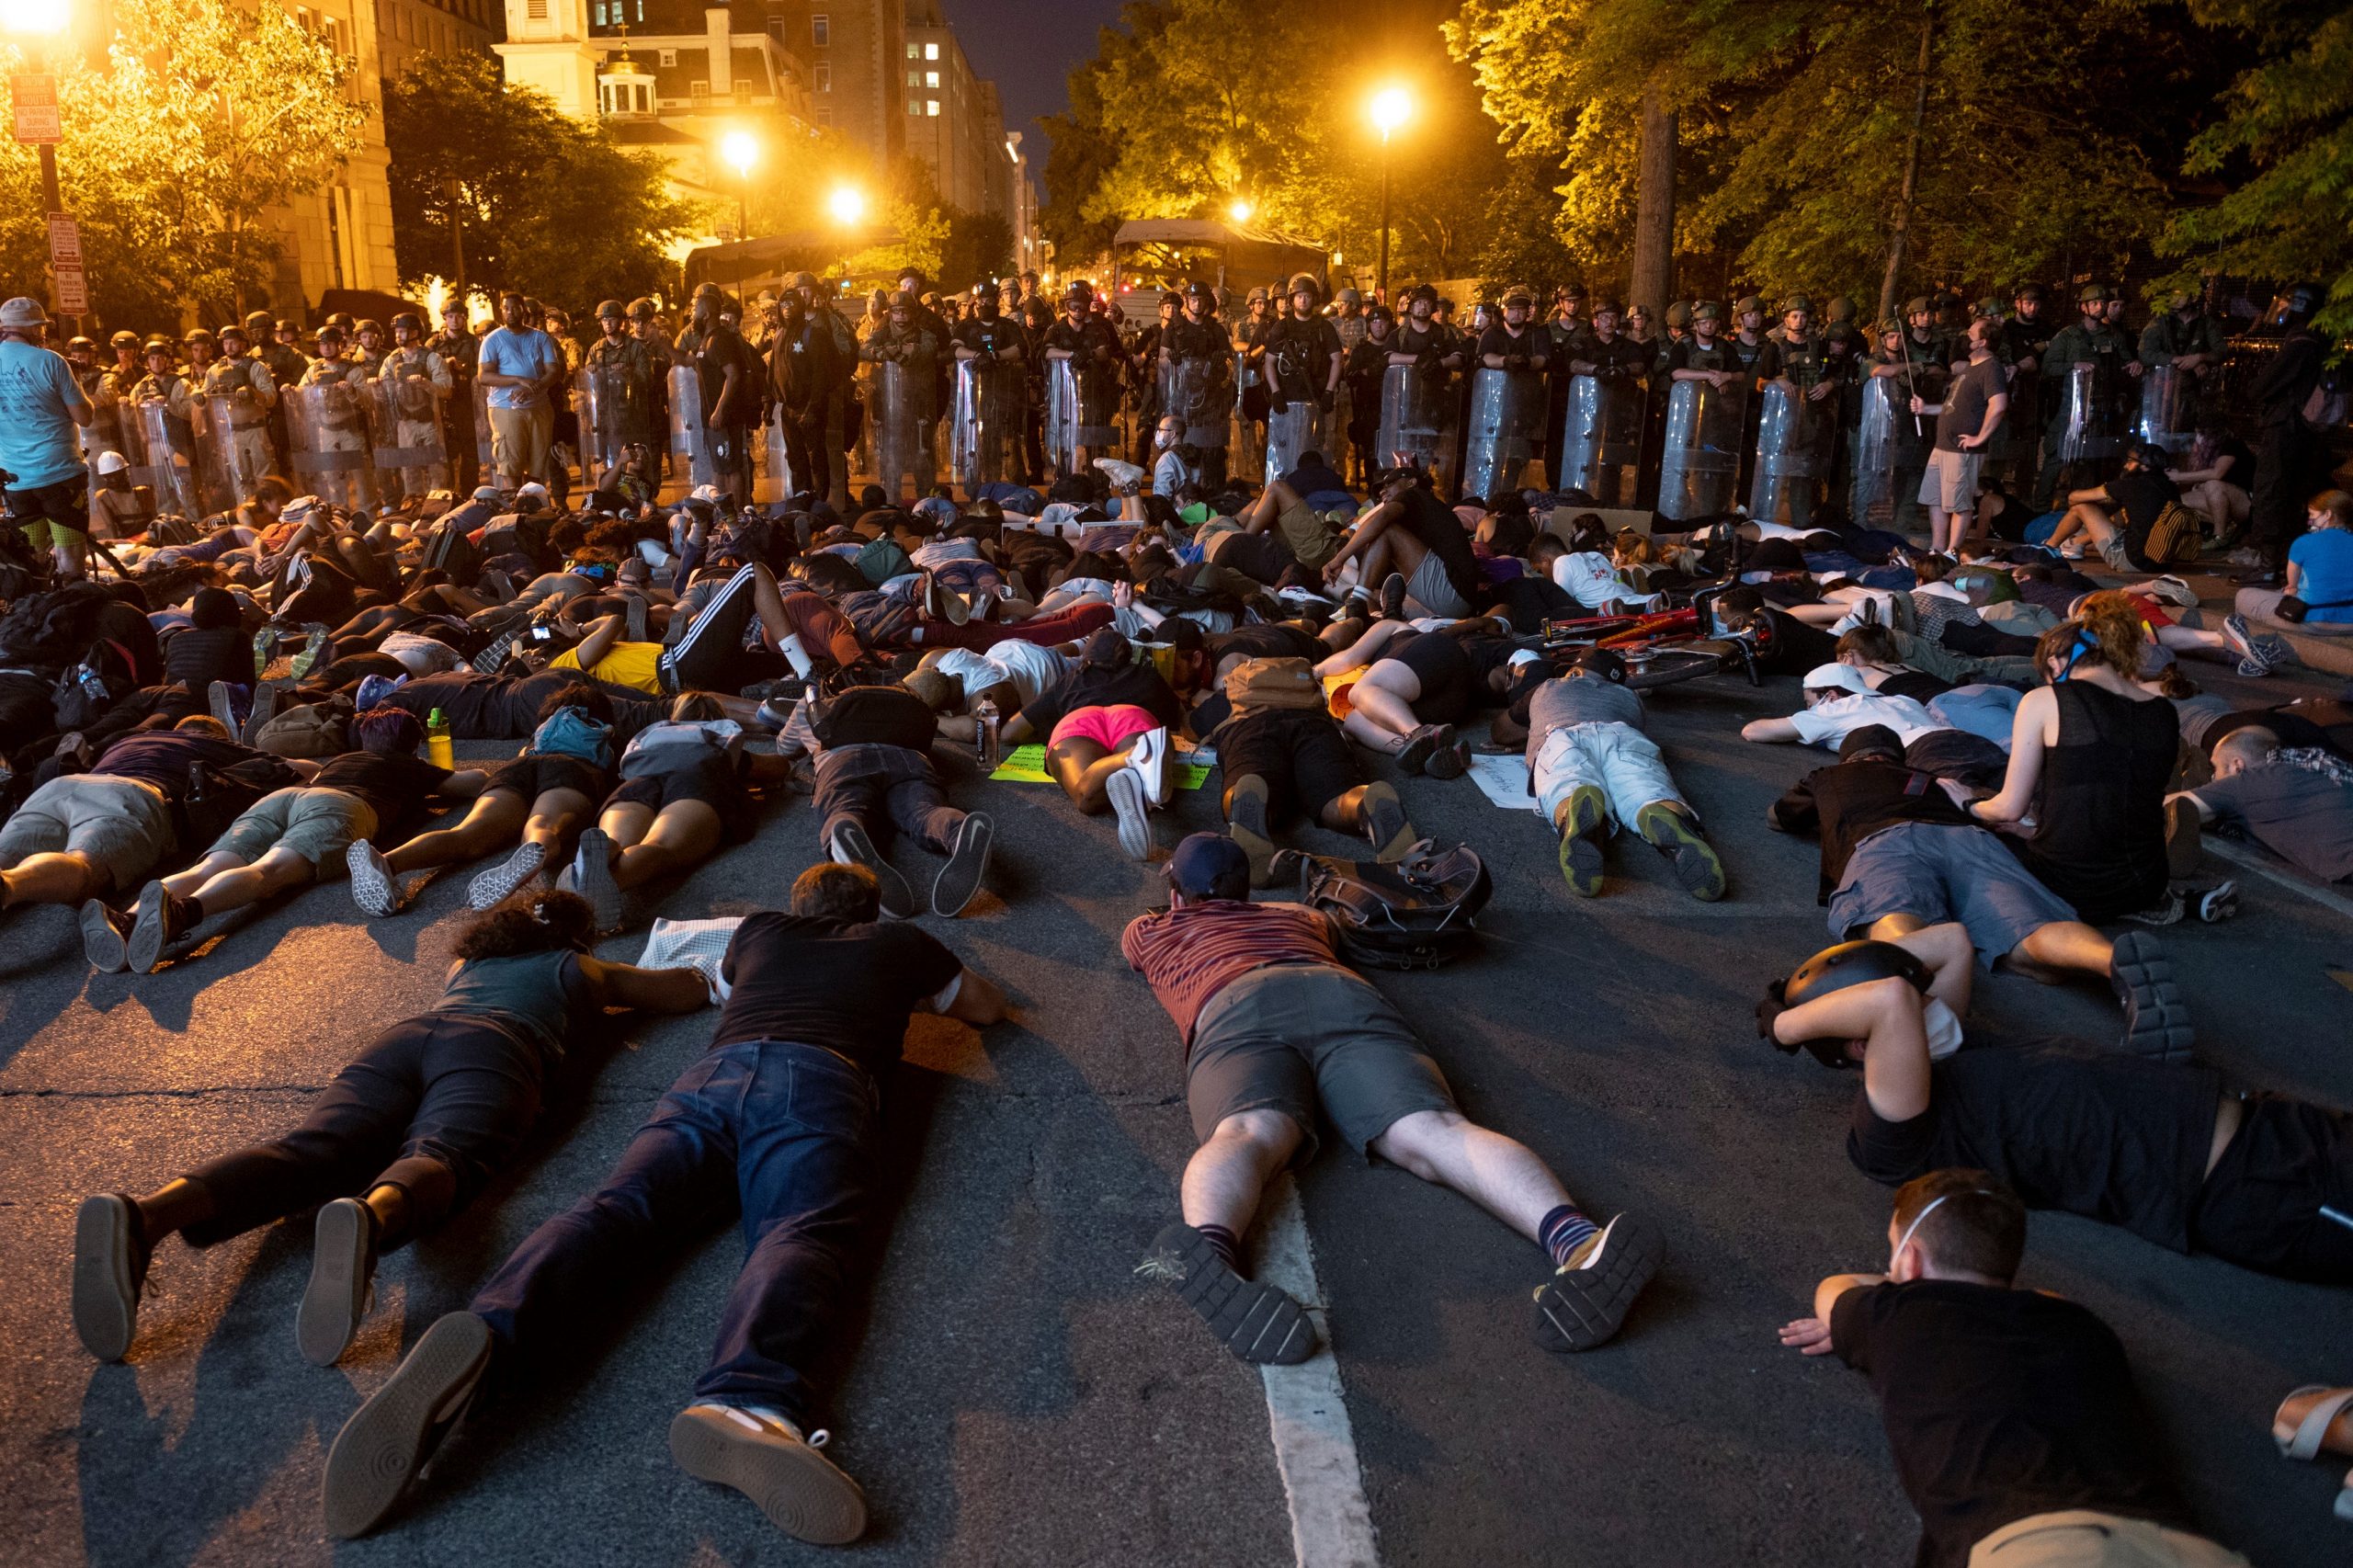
(34, 96)
(64, 240)
(73, 291)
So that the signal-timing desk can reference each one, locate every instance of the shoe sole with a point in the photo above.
(802, 1493)
(2156, 1021)
(105, 1303)
(593, 878)
(1584, 1308)
(1260, 1323)
(2219, 903)
(102, 943)
(336, 1297)
(218, 703)
(144, 949)
(1581, 857)
(1390, 841)
(959, 881)
(383, 1446)
(1127, 802)
(264, 710)
(1697, 865)
(898, 898)
(372, 889)
(1246, 823)
(1449, 761)
(494, 886)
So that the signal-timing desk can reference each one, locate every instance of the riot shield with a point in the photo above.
(985, 428)
(1199, 391)
(326, 430)
(689, 439)
(1246, 441)
(162, 453)
(2087, 431)
(485, 444)
(1417, 422)
(1292, 430)
(2168, 409)
(602, 392)
(898, 424)
(233, 440)
(1507, 422)
(410, 457)
(1601, 439)
(1793, 447)
(1872, 503)
(1063, 438)
(1699, 460)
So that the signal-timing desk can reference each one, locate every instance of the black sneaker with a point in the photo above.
(158, 920)
(390, 1438)
(1393, 597)
(1587, 1297)
(852, 847)
(1257, 1323)
(265, 709)
(1423, 743)
(968, 861)
(2156, 1021)
(1246, 823)
(490, 659)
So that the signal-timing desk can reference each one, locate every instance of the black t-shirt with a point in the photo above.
(2139, 496)
(162, 758)
(875, 715)
(847, 988)
(1532, 341)
(2000, 1405)
(1124, 685)
(721, 348)
(477, 706)
(1965, 403)
(396, 788)
(1263, 640)
(1432, 522)
(1917, 684)
(1848, 801)
(2068, 1126)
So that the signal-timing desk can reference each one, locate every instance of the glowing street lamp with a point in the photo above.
(741, 149)
(847, 204)
(1239, 210)
(1390, 107)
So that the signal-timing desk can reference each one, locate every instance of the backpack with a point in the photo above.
(309, 730)
(1416, 913)
(673, 743)
(884, 560)
(569, 732)
(874, 715)
(1274, 683)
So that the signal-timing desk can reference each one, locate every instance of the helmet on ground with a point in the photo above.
(1835, 969)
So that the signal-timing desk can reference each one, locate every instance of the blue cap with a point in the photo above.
(1204, 860)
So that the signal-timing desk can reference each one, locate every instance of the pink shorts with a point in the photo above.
(1107, 727)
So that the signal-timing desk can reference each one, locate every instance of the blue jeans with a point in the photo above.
(781, 1133)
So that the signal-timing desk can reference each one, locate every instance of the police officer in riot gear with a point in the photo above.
(632, 380)
(2088, 341)
(2025, 342)
(2291, 454)
(461, 351)
(1195, 347)
(1143, 376)
(418, 386)
(1088, 342)
(244, 383)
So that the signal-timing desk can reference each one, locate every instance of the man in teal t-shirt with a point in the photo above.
(47, 490)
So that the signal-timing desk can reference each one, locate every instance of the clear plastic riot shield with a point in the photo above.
(779, 462)
(984, 427)
(234, 442)
(330, 444)
(898, 421)
(161, 451)
(1417, 422)
(1871, 501)
(1294, 429)
(410, 457)
(690, 458)
(1201, 394)
(1245, 443)
(2087, 432)
(1063, 438)
(1793, 447)
(2168, 409)
(602, 395)
(1700, 456)
(485, 448)
(1601, 439)
(1507, 422)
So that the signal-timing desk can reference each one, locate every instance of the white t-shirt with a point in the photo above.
(1031, 666)
(1833, 721)
(1587, 578)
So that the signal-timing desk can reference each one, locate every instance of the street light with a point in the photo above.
(1390, 107)
(742, 149)
(42, 20)
(1239, 210)
(847, 204)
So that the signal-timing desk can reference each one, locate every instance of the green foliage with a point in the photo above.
(979, 246)
(2285, 144)
(546, 205)
(202, 116)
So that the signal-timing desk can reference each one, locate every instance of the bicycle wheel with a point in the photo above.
(1669, 666)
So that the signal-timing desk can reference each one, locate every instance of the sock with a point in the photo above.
(1224, 1243)
(1563, 1230)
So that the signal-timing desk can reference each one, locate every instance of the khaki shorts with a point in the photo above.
(2084, 1537)
(1289, 1036)
(1951, 481)
(317, 825)
(124, 826)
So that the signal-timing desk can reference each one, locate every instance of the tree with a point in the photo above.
(203, 116)
(545, 205)
(2286, 133)
(979, 246)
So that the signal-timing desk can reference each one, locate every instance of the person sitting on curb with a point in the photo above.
(1273, 1025)
(1594, 772)
(2165, 1151)
(784, 1110)
(2018, 1431)
(417, 1126)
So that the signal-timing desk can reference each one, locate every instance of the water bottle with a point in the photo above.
(984, 734)
(438, 749)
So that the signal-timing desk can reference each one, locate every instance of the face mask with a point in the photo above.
(1163, 439)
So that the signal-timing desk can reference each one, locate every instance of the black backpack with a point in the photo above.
(1415, 914)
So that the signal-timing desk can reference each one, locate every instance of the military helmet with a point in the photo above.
(368, 323)
(641, 309)
(77, 341)
(198, 334)
(158, 344)
(1171, 297)
(1746, 303)
(1797, 303)
(228, 330)
(1918, 305)
(1348, 296)
(804, 281)
(608, 308)
(1707, 309)
(294, 328)
(332, 330)
(1078, 294)
(1422, 291)
(341, 319)
(1601, 302)
(1257, 296)
(707, 291)
(1303, 283)
(415, 323)
(1839, 332)
(123, 340)
(2028, 291)
(1516, 295)
(1988, 307)
(1197, 289)
(905, 299)
(1573, 291)
(1679, 313)
(2092, 295)
(1841, 308)
(259, 321)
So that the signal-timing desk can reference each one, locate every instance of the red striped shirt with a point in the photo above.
(1190, 953)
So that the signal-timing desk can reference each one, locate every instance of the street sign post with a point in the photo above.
(34, 94)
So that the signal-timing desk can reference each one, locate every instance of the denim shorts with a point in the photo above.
(1938, 873)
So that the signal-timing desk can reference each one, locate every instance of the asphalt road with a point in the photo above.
(1016, 1395)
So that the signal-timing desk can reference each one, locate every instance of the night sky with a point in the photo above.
(1028, 46)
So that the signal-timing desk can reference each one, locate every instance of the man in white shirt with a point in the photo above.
(1839, 700)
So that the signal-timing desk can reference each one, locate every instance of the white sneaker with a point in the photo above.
(1126, 789)
(764, 1456)
(1124, 476)
(1149, 758)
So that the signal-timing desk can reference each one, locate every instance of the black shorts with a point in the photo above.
(1300, 753)
(714, 781)
(1448, 681)
(65, 502)
(533, 774)
(1263, 556)
(2281, 1198)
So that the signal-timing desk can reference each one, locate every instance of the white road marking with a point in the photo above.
(2248, 860)
(1331, 1524)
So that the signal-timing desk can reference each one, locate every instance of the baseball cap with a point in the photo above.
(1204, 862)
(1844, 677)
(1871, 740)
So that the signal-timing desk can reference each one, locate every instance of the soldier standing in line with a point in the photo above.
(1916, 355)
(458, 350)
(1197, 347)
(633, 378)
(1144, 377)
(421, 387)
(244, 383)
(2026, 340)
(2088, 341)
(2190, 341)
(339, 425)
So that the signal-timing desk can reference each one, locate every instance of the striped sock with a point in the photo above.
(1563, 1230)
(1224, 1243)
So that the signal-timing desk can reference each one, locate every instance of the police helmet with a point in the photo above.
(1920, 305)
(1348, 296)
(2028, 291)
(1797, 303)
(1303, 283)
(198, 334)
(2092, 295)
(1198, 289)
(609, 308)
(1171, 297)
(1573, 291)
(80, 342)
(415, 323)
(341, 319)
(1746, 303)
(1679, 313)
(1422, 291)
(123, 340)
(1707, 309)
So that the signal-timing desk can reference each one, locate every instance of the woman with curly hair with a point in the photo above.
(417, 1126)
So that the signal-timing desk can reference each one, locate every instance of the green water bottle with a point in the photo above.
(437, 748)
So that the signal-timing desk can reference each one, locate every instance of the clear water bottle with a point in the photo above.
(986, 744)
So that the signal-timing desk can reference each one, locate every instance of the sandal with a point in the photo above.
(2309, 1437)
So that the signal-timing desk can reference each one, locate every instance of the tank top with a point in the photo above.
(532, 994)
(2099, 839)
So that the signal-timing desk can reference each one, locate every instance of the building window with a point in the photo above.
(915, 106)
(931, 52)
(536, 10)
(824, 76)
(668, 56)
(699, 91)
(913, 52)
(821, 31)
(775, 28)
(824, 114)
(743, 91)
(931, 107)
(931, 80)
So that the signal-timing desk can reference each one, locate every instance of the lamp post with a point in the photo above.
(1391, 106)
(37, 22)
(847, 205)
(741, 149)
